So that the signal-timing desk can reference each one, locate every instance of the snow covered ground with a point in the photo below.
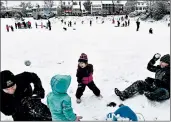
(119, 55)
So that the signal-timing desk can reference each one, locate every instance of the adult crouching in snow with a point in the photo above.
(18, 100)
(59, 101)
(158, 88)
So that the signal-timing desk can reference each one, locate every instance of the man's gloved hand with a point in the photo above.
(39, 92)
(156, 56)
(78, 118)
(111, 104)
(149, 80)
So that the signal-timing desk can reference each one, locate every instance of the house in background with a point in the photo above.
(108, 7)
(96, 7)
(141, 6)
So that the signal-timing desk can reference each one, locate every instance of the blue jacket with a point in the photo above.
(125, 112)
(58, 101)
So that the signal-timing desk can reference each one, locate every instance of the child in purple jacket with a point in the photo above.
(85, 78)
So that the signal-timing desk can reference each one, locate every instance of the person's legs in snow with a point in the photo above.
(94, 88)
(137, 87)
(79, 92)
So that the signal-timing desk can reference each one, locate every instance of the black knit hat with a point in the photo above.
(165, 58)
(7, 79)
(83, 58)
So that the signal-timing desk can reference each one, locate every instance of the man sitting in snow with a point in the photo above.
(157, 89)
(17, 97)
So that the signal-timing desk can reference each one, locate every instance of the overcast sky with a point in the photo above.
(15, 3)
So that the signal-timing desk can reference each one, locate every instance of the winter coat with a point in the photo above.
(10, 103)
(123, 112)
(138, 23)
(29, 23)
(85, 75)
(58, 101)
(162, 75)
(32, 109)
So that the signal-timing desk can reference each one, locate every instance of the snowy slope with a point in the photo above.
(118, 55)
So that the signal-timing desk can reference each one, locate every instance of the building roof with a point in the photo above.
(76, 6)
(107, 2)
(96, 2)
(17, 7)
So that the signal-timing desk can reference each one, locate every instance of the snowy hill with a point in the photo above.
(119, 55)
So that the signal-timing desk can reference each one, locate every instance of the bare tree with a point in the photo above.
(2, 5)
(87, 5)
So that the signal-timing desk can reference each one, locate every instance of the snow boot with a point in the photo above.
(78, 101)
(100, 97)
(119, 94)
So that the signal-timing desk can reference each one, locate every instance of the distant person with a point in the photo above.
(138, 24)
(16, 25)
(12, 28)
(7, 28)
(29, 24)
(125, 23)
(19, 25)
(36, 24)
(49, 24)
(128, 22)
(90, 22)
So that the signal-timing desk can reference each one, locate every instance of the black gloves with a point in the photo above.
(149, 80)
(156, 56)
(111, 104)
(39, 92)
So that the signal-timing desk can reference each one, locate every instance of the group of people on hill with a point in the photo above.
(21, 25)
(122, 21)
(8, 27)
(24, 103)
(48, 25)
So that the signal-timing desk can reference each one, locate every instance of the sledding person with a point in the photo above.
(85, 78)
(18, 99)
(59, 102)
(158, 88)
(138, 24)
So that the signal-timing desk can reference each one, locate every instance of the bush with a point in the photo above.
(159, 10)
(135, 13)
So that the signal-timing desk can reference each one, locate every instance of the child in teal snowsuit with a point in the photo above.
(59, 102)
